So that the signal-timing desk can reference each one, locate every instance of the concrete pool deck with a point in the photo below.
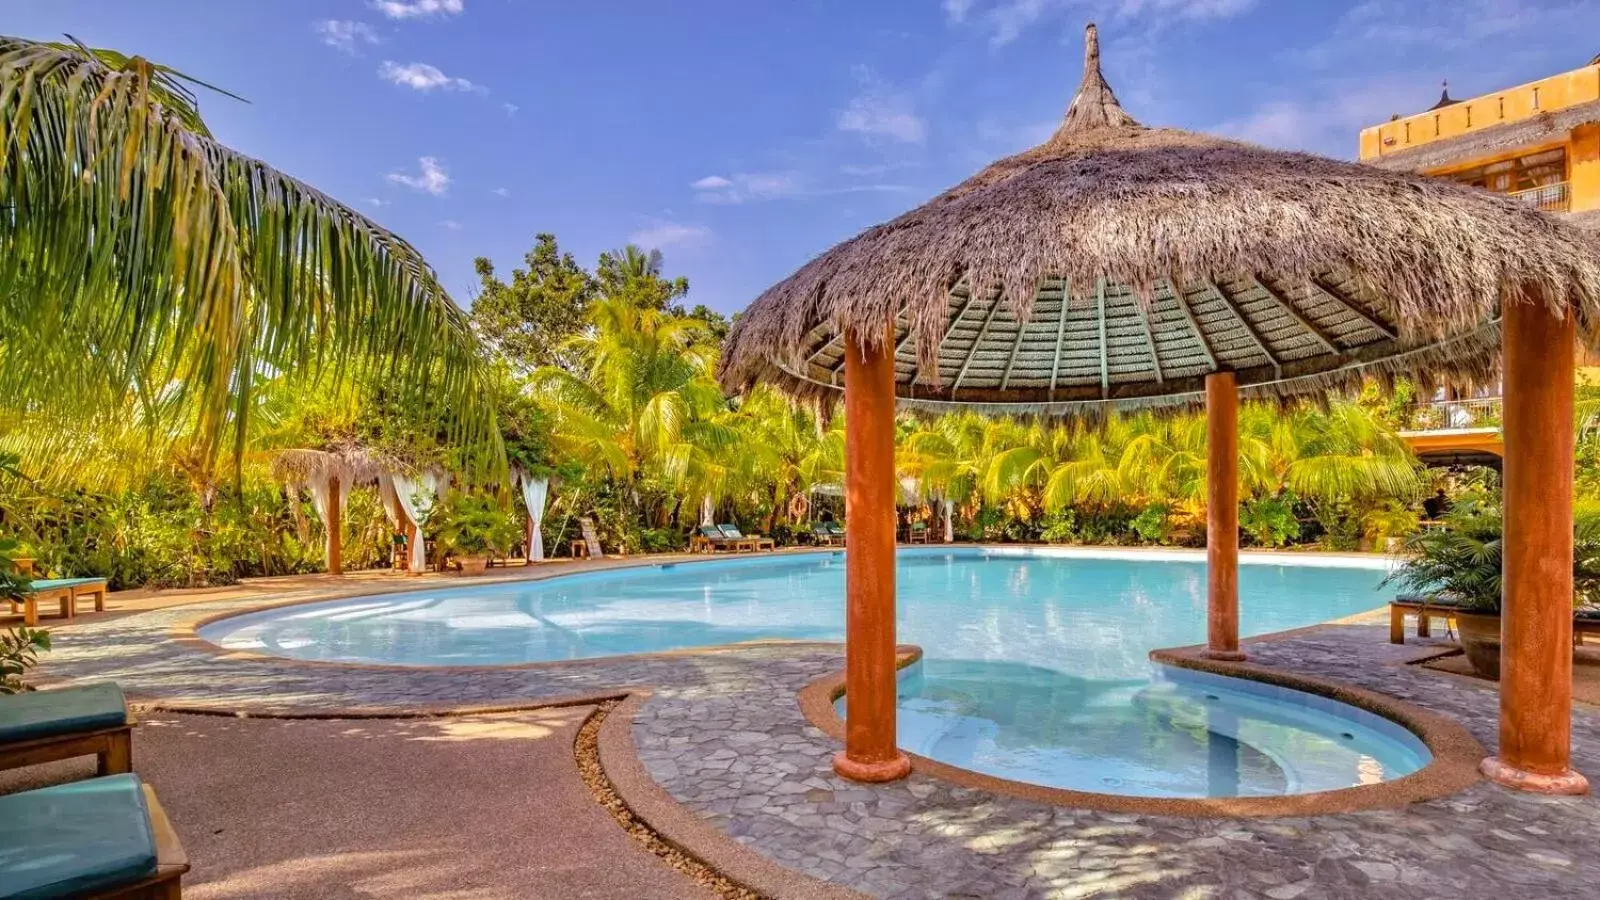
(729, 761)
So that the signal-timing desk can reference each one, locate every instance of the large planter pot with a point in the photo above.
(474, 565)
(1480, 638)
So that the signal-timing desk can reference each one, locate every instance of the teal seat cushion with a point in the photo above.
(50, 584)
(75, 838)
(41, 714)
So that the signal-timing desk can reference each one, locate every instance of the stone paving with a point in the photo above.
(743, 756)
(724, 735)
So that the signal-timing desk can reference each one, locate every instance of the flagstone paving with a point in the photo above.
(723, 734)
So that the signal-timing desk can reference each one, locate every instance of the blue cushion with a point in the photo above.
(731, 531)
(48, 584)
(39, 714)
(74, 838)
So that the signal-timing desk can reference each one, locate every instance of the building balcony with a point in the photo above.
(1556, 198)
(1451, 432)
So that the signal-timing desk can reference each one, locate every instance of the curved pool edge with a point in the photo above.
(1454, 767)
(187, 633)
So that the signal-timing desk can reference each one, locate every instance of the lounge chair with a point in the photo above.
(1585, 621)
(66, 591)
(917, 533)
(710, 539)
(821, 534)
(45, 726)
(837, 530)
(741, 540)
(104, 837)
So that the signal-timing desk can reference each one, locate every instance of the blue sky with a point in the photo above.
(743, 137)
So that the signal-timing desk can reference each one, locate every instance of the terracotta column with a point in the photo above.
(335, 530)
(1222, 516)
(1536, 586)
(869, 751)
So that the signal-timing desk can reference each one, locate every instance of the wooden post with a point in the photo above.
(1536, 586)
(869, 751)
(1222, 517)
(335, 530)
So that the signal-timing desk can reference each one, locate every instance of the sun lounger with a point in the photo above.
(917, 533)
(741, 540)
(1585, 621)
(104, 837)
(66, 591)
(45, 726)
(710, 539)
(821, 534)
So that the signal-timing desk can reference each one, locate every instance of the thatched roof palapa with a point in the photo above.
(351, 463)
(1117, 265)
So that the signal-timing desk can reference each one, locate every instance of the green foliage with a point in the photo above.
(1269, 521)
(529, 320)
(1153, 525)
(19, 652)
(1060, 527)
(473, 525)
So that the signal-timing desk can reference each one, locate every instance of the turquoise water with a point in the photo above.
(1036, 660)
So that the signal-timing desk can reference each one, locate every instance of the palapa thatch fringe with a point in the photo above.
(1112, 210)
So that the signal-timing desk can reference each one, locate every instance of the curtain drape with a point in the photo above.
(417, 497)
(534, 493)
(707, 511)
(321, 494)
(949, 522)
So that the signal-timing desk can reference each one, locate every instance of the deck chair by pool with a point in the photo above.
(821, 534)
(65, 591)
(710, 539)
(45, 726)
(917, 533)
(741, 541)
(102, 838)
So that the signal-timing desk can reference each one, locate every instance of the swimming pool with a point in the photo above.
(1036, 658)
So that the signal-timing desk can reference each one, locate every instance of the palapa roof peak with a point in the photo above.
(1444, 99)
(1095, 104)
(1117, 265)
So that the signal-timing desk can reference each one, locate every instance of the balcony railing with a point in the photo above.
(1442, 415)
(1550, 197)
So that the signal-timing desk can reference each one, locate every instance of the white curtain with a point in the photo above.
(417, 497)
(707, 511)
(534, 492)
(949, 522)
(386, 497)
(321, 498)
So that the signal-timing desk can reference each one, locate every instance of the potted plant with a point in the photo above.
(1460, 565)
(472, 529)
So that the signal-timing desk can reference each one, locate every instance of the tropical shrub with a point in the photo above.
(473, 525)
(1153, 525)
(1269, 521)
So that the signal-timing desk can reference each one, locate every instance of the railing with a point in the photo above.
(1549, 198)
(1441, 415)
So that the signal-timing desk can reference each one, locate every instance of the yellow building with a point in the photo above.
(1538, 141)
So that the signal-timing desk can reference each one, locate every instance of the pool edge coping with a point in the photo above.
(1454, 767)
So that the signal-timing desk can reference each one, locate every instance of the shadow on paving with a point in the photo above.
(469, 808)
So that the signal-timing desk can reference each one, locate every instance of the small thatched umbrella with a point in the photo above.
(329, 475)
(1119, 266)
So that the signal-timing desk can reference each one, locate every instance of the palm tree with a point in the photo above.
(646, 404)
(138, 254)
(787, 451)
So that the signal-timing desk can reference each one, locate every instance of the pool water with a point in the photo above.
(1036, 663)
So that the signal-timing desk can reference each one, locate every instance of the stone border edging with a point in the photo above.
(1456, 753)
(680, 827)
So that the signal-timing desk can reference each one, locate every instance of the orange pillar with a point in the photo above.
(869, 751)
(1536, 581)
(1222, 516)
(335, 530)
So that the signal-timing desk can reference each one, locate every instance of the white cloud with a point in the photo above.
(1007, 20)
(431, 177)
(418, 9)
(662, 235)
(881, 111)
(501, 192)
(450, 225)
(423, 77)
(377, 202)
(743, 186)
(345, 36)
(510, 108)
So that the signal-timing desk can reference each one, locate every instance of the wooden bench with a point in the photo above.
(47, 726)
(66, 591)
(1424, 611)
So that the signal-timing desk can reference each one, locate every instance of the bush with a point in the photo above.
(1153, 525)
(1060, 527)
(473, 525)
(1269, 521)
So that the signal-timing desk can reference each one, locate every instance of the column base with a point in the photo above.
(1567, 783)
(1225, 655)
(872, 772)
